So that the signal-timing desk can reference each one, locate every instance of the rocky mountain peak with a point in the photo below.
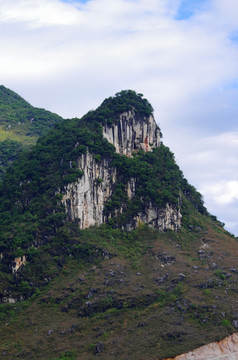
(85, 199)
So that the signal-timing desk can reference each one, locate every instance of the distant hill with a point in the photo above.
(106, 250)
(21, 124)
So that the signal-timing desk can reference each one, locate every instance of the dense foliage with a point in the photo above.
(9, 151)
(123, 101)
(158, 182)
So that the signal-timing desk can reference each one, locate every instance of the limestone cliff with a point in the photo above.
(132, 133)
(85, 199)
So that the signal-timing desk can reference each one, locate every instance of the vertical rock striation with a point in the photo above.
(132, 133)
(168, 218)
(84, 200)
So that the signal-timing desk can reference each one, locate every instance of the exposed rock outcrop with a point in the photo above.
(132, 133)
(85, 199)
(168, 218)
(18, 262)
(226, 349)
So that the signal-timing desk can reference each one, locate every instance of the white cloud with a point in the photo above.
(38, 13)
(211, 164)
(223, 192)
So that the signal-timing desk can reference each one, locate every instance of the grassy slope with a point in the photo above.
(126, 300)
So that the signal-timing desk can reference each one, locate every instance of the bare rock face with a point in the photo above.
(18, 262)
(226, 349)
(85, 199)
(132, 133)
(163, 219)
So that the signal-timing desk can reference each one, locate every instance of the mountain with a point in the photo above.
(106, 250)
(20, 126)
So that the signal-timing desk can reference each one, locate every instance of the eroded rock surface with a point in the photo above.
(226, 349)
(18, 262)
(85, 199)
(132, 133)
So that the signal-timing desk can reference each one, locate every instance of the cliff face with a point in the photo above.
(85, 199)
(226, 349)
(132, 133)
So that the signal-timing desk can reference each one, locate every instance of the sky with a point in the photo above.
(68, 56)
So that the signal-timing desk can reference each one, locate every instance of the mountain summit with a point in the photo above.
(106, 245)
(88, 198)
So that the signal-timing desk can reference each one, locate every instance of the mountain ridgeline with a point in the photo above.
(21, 124)
(103, 195)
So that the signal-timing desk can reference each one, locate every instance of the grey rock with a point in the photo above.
(181, 276)
(111, 273)
(109, 282)
(162, 279)
(99, 348)
(235, 323)
(213, 266)
(166, 258)
(90, 293)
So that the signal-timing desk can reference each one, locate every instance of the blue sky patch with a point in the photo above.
(188, 7)
(234, 36)
(231, 85)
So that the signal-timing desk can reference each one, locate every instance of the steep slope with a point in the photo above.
(20, 126)
(155, 276)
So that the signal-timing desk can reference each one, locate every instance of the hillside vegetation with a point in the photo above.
(105, 292)
(20, 126)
